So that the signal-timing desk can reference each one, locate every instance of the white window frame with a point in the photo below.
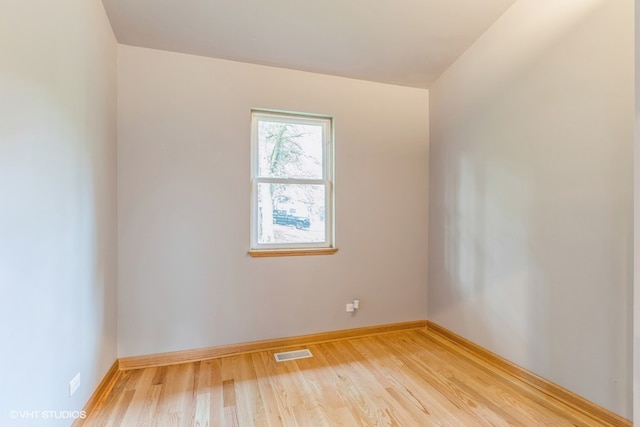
(327, 176)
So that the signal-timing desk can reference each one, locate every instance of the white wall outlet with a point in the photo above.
(350, 308)
(356, 304)
(74, 384)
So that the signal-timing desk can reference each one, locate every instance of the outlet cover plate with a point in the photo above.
(74, 384)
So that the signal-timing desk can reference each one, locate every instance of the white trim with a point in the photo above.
(292, 181)
(326, 122)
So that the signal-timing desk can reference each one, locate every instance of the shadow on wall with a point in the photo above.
(534, 202)
(488, 251)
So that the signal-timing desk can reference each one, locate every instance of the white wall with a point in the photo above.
(57, 205)
(185, 279)
(530, 231)
(636, 227)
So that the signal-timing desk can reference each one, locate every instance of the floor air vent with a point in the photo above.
(292, 355)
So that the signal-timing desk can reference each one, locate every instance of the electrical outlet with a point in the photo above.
(74, 384)
(350, 308)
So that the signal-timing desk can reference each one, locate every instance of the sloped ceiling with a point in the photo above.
(408, 42)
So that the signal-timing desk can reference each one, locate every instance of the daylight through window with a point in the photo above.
(291, 181)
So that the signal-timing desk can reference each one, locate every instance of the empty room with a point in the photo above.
(338, 213)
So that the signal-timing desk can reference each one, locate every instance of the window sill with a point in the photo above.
(262, 253)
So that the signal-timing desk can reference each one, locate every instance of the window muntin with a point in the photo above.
(292, 188)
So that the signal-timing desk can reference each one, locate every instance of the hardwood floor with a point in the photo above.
(408, 378)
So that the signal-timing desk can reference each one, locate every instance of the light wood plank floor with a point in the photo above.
(408, 378)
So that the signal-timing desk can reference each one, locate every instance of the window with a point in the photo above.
(292, 188)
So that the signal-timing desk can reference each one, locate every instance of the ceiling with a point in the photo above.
(409, 42)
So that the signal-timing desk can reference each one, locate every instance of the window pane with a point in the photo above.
(288, 150)
(291, 213)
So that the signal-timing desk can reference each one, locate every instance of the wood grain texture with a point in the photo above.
(171, 358)
(266, 253)
(547, 387)
(100, 394)
(411, 377)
